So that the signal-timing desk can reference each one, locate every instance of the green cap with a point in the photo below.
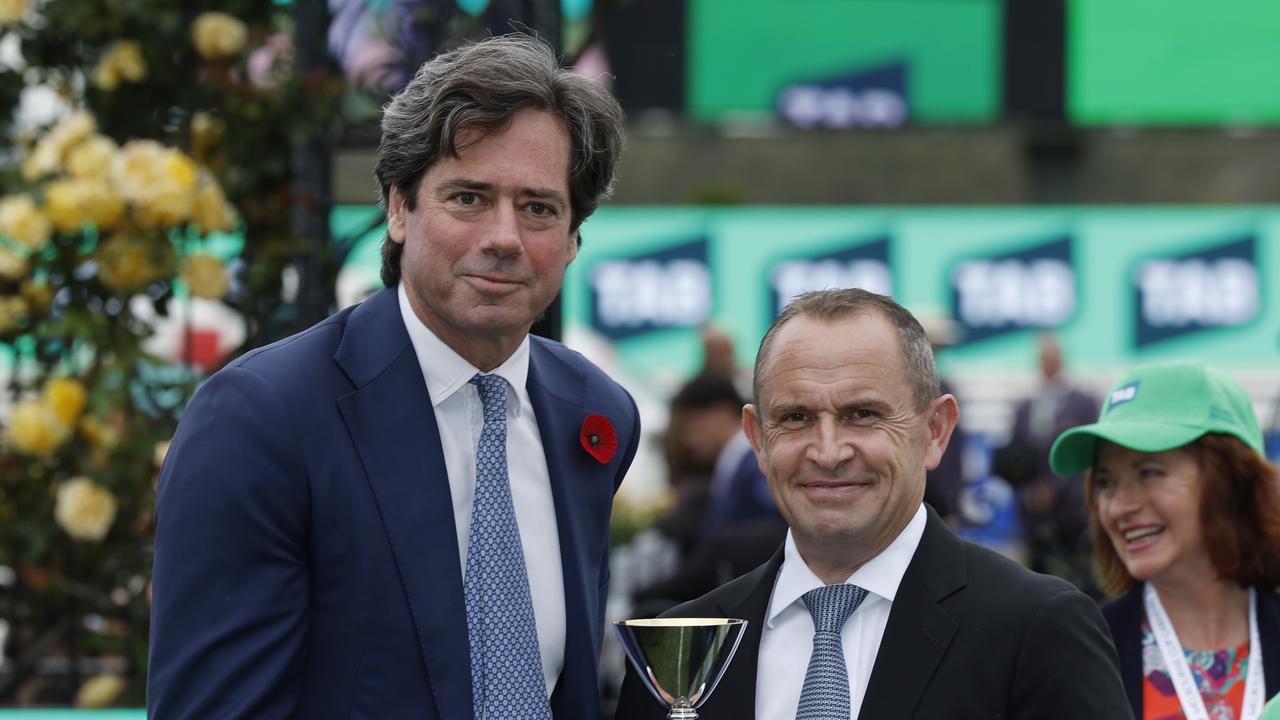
(1159, 407)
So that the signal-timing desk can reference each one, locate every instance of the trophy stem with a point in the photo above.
(682, 710)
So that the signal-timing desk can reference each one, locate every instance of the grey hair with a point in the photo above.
(830, 305)
(481, 87)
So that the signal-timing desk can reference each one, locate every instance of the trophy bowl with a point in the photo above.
(680, 660)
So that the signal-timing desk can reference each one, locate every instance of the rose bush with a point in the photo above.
(167, 177)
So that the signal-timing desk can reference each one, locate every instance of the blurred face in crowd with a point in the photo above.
(488, 241)
(1149, 505)
(703, 432)
(838, 434)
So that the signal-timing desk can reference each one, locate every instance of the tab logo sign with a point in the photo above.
(872, 98)
(1214, 288)
(667, 289)
(1120, 396)
(864, 266)
(1030, 289)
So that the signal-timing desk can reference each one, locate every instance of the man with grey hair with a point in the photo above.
(873, 607)
(404, 511)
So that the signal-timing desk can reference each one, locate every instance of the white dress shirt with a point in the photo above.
(787, 637)
(460, 418)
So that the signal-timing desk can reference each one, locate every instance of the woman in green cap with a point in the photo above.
(1185, 512)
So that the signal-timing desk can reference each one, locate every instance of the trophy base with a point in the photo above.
(685, 713)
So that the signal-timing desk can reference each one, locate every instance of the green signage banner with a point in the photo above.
(1119, 286)
(1150, 62)
(843, 63)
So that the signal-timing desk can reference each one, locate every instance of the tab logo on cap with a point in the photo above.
(1122, 395)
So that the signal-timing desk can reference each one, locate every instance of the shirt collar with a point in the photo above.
(446, 372)
(879, 576)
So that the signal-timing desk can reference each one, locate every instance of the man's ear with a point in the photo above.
(396, 215)
(755, 432)
(943, 416)
(573, 248)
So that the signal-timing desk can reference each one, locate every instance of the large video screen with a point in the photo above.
(1155, 62)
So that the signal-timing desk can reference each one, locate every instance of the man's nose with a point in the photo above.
(830, 447)
(503, 237)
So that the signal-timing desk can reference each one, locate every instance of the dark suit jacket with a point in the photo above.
(306, 558)
(971, 636)
(1126, 613)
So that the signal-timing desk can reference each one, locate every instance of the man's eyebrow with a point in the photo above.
(544, 194)
(866, 403)
(462, 184)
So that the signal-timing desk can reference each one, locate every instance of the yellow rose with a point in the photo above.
(123, 62)
(126, 264)
(158, 182)
(218, 35)
(83, 509)
(100, 691)
(67, 398)
(12, 11)
(211, 211)
(92, 157)
(35, 429)
(206, 277)
(206, 133)
(46, 158)
(12, 265)
(13, 313)
(22, 222)
(72, 203)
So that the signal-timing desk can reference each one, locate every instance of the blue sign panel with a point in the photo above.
(872, 98)
(1031, 289)
(1213, 288)
(670, 288)
(865, 266)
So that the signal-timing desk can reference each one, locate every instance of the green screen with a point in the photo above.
(1154, 62)
(742, 52)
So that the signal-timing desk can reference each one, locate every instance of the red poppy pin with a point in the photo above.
(598, 438)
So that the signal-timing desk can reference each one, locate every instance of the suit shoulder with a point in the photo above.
(998, 576)
(317, 342)
(597, 381)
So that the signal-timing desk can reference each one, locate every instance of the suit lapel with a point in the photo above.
(746, 598)
(393, 427)
(919, 630)
(582, 490)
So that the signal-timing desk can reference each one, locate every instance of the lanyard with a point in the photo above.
(1175, 661)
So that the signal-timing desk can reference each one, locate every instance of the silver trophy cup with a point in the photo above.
(680, 660)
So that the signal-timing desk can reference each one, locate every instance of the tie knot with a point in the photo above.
(832, 605)
(493, 393)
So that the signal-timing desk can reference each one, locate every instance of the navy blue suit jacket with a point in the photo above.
(306, 557)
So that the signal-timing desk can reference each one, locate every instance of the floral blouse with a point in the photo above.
(1219, 674)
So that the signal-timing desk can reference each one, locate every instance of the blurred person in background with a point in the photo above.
(720, 358)
(1052, 508)
(704, 420)
(1185, 514)
(724, 518)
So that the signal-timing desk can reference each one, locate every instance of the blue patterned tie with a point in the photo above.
(506, 664)
(826, 683)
